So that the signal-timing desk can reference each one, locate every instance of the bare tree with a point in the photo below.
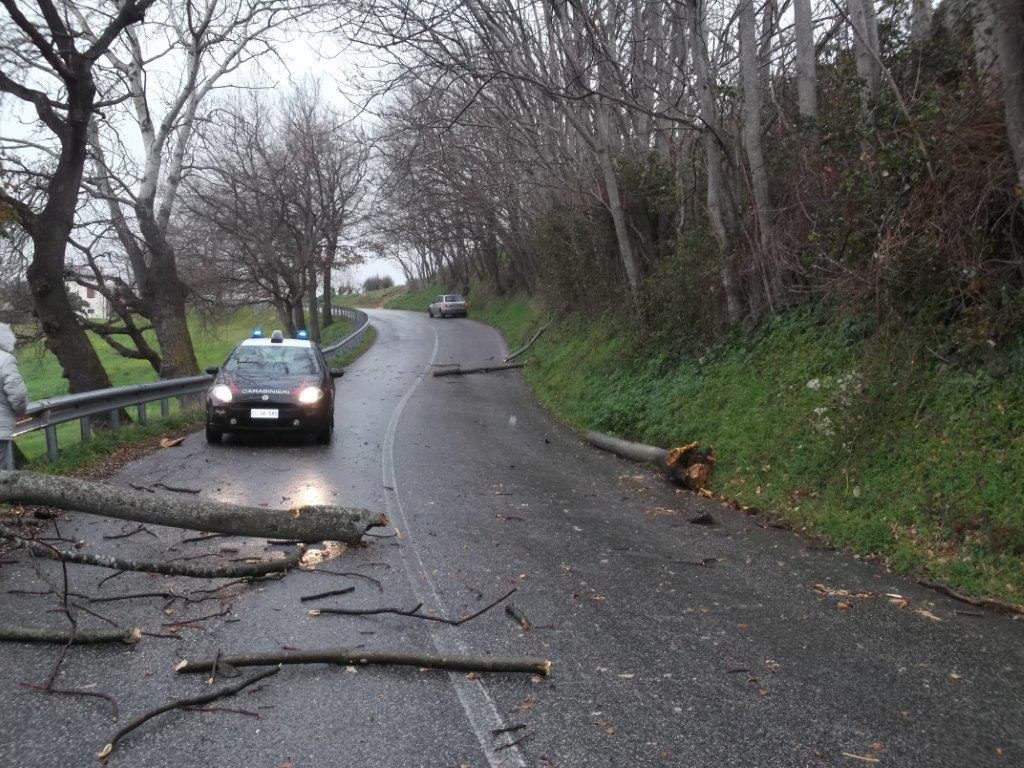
(57, 62)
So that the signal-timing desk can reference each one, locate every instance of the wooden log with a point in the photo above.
(526, 348)
(480, 369)
(305, 524)
(170, 568)
(360, 657)
(65, 636)
(687, 465)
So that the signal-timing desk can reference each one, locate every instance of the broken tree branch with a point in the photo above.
(986, 602)
(481, 369)
(330, 593)
(529, 344)
(687, 465)
(306, 524)
(413, 612)
(357, 657)
(206, 698)
(232, 571)
(75, 637)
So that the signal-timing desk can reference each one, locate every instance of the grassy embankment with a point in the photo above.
(213, 339)
(892, 453)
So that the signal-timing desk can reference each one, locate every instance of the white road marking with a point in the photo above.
(512, 420)
(476, 701)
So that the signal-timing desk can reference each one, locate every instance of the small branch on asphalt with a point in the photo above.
(358, 657)
(375, 582)
(480, 369)
(688, 465)
(74, 637)
(515, 743)
(76, 692)
(178, 488)
(132, 532)
(509, 729)
(191, 621)
(981, 602)
(517, 617)
(204, 537)
(412, 612)
(181, 704)
(331, 593)
(305, 523)
(532, 341)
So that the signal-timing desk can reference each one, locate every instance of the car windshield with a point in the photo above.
(453, 297)
(272, 359)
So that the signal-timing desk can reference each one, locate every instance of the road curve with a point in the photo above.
(657, 661)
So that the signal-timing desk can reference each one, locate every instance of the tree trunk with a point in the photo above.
(611, 184)
(50, 230)
(314, 309)
(298, 317)
(752, 120)
(328, 316)
(806, 66)
(920, 19)
(720, 204)
(307, 524)
(865, 49)
(166, 295)
(985, 33)
(1009, 16)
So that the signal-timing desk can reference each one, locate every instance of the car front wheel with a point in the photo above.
(213, 436)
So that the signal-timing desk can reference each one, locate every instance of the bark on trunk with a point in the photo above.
(611, 184)
(865, 49)
(355, 656)
(720, 204)
(920, 19)
(1009, 16)
(806, 65)
(50, 230)
(314, 309)
(328, 317)
(306, 524)
(752, 120)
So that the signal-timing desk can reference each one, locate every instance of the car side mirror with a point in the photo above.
(213, 370)
(337, 373)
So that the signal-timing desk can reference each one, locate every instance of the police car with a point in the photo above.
(272, 384)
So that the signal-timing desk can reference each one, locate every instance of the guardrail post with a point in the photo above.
(141, 416)
(115, 420)
(165, 408)
(7, 455)
(85, 424)
(52, 450)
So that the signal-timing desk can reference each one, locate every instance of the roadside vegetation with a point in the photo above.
(869, 440)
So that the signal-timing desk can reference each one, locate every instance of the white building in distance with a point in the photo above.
(94, 304)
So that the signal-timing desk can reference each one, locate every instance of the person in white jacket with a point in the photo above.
(13, 395)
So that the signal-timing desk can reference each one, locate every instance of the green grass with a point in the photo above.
(417, 298)
(873, 444)
(347, 358)
(368, 298)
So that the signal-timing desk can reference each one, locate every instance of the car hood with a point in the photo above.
(267, 387)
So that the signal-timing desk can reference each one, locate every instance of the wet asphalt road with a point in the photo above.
(657, 662)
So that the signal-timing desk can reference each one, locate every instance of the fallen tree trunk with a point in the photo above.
(65, 636)
(687, 465)
(529, 344)
(305, 524)
(231, 571)
(481, 369)
(356, 657)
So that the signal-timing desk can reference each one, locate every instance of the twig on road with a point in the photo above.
(180, 704)
(412, 612)
(329, 593)
(984, 602)
(480, 369)
(76, 692)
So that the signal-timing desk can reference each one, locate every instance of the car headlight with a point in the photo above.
(311, 395)
(221, 393)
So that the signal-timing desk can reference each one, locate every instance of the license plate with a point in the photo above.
(263, 413)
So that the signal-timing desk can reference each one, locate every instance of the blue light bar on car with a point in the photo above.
(257, 333)
(302, 335)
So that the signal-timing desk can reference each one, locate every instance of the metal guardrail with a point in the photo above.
(48, 414)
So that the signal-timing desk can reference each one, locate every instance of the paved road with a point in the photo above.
(657, 662)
